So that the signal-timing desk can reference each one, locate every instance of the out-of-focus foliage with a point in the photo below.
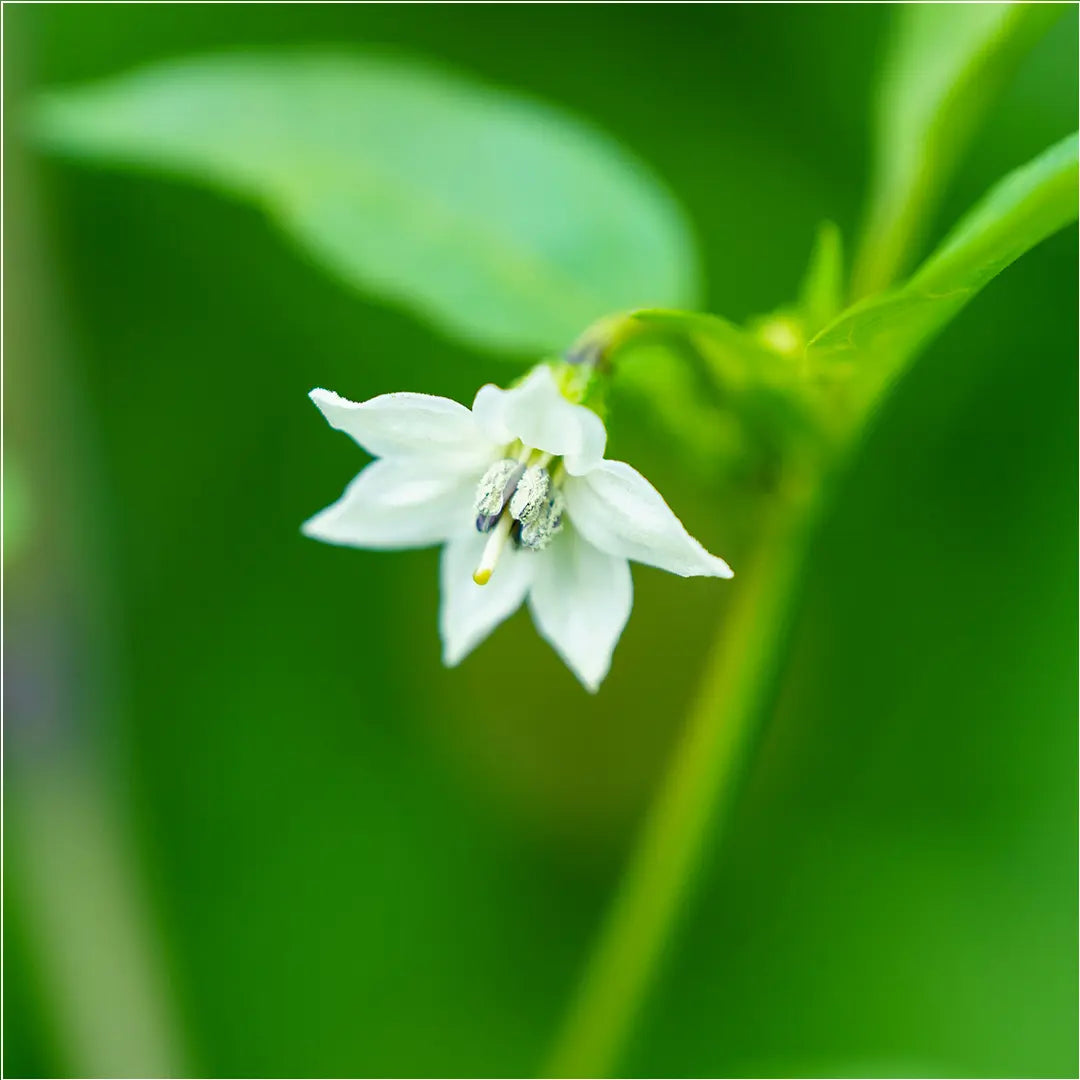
(869, 343)
(504, 221)
(945, 66)
(874, 338)
(362, 864)
(821, 293)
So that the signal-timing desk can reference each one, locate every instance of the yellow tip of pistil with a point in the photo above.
(493, 549)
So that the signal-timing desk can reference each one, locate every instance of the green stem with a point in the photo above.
(692, 803)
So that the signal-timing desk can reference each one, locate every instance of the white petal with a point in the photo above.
(398, 503)
(615, 508)
(580, 602)
(410, 424)
(537, 414)
(469, 612)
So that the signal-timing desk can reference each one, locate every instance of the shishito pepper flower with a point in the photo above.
(518, 491)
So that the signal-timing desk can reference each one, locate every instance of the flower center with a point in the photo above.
(519, 500)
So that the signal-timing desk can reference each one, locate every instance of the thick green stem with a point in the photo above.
(691, 806)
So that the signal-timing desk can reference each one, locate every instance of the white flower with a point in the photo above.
(518, 491)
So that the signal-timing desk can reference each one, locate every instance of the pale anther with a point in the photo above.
(493, 492)
(531, 495)
(546, 525)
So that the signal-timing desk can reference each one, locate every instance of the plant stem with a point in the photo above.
(691, 804)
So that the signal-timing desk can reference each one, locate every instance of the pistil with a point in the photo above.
(493, 549)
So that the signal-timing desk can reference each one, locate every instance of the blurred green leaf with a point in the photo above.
(876, 336)
(946, 65)
(821, 293)
(787, 329)
(507, 223)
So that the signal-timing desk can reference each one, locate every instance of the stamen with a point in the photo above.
(494, 491)
(516, 499)
(531, 494)
(537, 533)
(493, 549)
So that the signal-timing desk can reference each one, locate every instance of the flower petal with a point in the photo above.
(536, 413)
(398, 503)
(469, 612)
(580, 601)
(615, 508)
(407, 424)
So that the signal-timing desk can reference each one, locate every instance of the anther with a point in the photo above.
(518, 501)
(540, 530)
(494, 491)
(531, 495)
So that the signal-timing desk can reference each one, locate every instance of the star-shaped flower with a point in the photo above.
(519, 493)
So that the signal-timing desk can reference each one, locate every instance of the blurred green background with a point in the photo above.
(326, 854)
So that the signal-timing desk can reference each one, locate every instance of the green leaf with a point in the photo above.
(945, 67)
(874, 338)
(821, 294)
(505, 222)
